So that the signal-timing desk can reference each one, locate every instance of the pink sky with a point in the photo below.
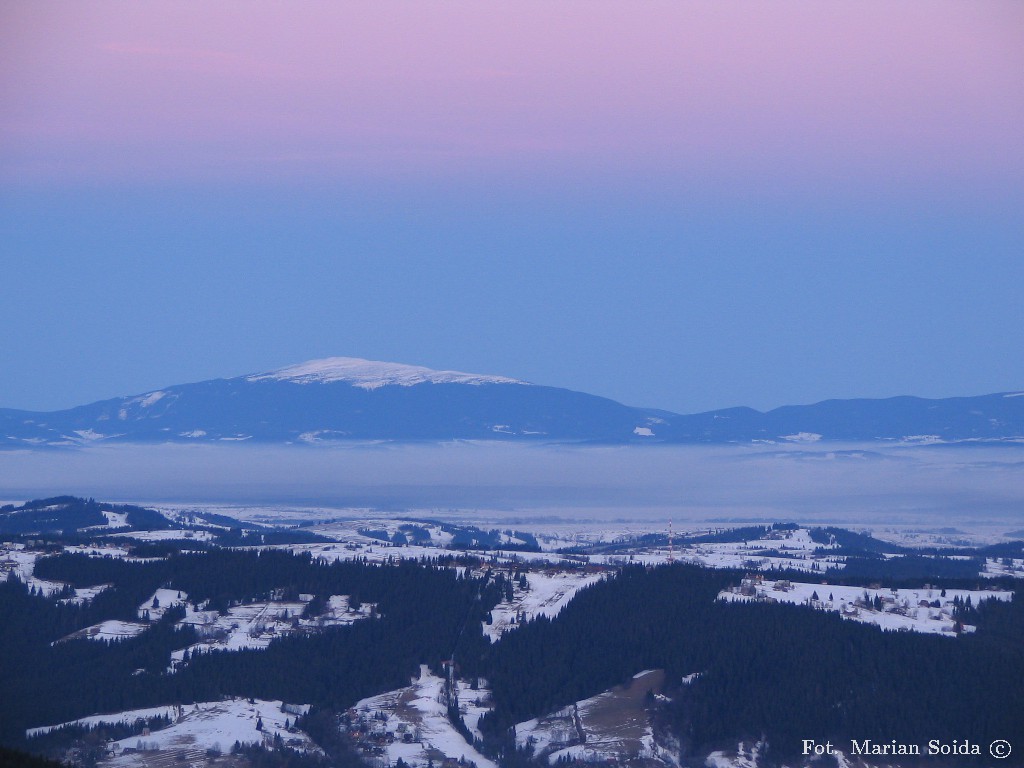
(911, 93)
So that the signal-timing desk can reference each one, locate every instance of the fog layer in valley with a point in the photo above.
(923, 485)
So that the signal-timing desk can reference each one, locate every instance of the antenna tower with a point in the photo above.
(671, 551)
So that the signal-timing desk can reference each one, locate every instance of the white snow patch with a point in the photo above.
(1003, 566)
(85, 594)
(100, 551)
(802, 437)
(108, 630)
(21, 562)
(165, 535)
(89, 435)
(156, 606)
(372, 374)
(546, 594)
(643, 431)
(129, 716)
(196, 728)
(421, 712)
(15, 559)
(115, 519)
(256, 625)
(744, 757)
(901, 609)
(922, 439)
(153, 397)
(777, 548)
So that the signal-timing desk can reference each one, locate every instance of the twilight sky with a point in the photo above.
(674, 204)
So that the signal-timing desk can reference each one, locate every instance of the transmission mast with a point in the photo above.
(671, 551)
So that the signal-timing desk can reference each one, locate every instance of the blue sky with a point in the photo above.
(843, 217)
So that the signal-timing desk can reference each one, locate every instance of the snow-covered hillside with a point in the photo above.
(196, 728)
(18, 561)
(257, 624)
(412, 724)
(546, 593)
(917, 610)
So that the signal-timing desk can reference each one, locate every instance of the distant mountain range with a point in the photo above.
(347, 399)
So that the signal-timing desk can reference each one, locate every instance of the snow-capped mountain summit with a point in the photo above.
(339, 398)
(346, 398)
(371, 374)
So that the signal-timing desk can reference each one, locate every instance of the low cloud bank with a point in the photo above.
(929, 486)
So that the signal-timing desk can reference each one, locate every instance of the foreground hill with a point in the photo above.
(126, 645)
(345, 399)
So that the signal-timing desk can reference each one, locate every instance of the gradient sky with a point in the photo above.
(680, 205)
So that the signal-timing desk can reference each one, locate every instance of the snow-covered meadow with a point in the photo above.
(196, 728)
(917, 610)
(547, 592)
(412, 723)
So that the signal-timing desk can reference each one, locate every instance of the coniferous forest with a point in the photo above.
(774, 672)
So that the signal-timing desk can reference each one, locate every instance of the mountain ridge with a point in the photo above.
(349, 399)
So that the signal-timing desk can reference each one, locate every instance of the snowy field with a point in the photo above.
(995, 567)
(250, 625)
(18, 561)
(151, 609)
(196, 728)
(412, 723)
(777, 549)
(560, 527)
(257, 624)
(167, 535)
(113, 629)
(745, 756)
(104, 550)
(156, 606)
(916, 610)
(21, 562)
(129, 716)
(547, 593)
